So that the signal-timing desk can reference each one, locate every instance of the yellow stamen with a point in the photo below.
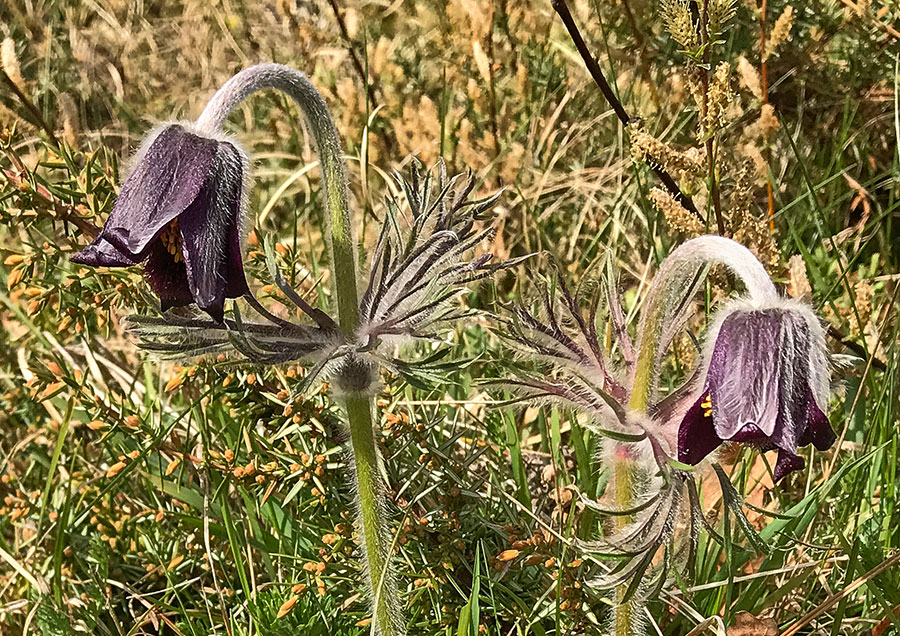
(706, 405)
(171, 239)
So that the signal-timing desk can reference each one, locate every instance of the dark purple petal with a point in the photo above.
(697, 436)
(818, 429)
(787, 462)
(759, 381)
(166, 180)
(749, 434)
(102, 253)
(167, 277)
(211, 236)
(236, 285)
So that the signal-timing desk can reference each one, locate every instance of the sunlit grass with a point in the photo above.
(213, 499)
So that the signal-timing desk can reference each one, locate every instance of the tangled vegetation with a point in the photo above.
(202, 496)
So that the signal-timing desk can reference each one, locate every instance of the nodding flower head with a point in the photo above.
(766, 384)
(180, 211)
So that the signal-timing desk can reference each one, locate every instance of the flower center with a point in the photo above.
(706, 405)
(171, 239)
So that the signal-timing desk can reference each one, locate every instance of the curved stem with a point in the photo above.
(339, 236)
(330, 152)
(665, 311)
(666, 307)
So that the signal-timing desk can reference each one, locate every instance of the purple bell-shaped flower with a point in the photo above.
(180, 210)
(766, 384)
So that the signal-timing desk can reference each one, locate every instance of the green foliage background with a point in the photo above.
(139, 497)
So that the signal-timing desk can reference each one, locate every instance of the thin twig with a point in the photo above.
(705, 127)
(764, 81)
(593, 68)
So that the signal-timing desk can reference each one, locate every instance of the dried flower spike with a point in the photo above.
(678, 218)
(781, 31)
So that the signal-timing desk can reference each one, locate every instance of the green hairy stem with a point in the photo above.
(626, 613)
(342, 248)
(375, 539)
(626, 479)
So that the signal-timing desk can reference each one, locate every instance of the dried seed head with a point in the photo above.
(68, 115)
(646, 147)
(749, 77)
(781, 31)
(678, 218)
(798, 282)
(174, 382)
(719, 97)
(10, 63)
(863, 292)
(15, 277)
(768, 122)
(753, 231)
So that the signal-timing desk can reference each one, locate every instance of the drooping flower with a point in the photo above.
(419, 265)
(766, 384)
(180, 211)
(764, 381)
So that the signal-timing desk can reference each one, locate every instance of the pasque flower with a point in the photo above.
(763, 381)
(180, 212)
(766, 384)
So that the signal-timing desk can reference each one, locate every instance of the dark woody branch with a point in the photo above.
(593, 68)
